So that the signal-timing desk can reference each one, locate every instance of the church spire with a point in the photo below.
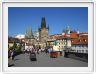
(29, 33)
(48, 26)
(43, 22)
(26, 33)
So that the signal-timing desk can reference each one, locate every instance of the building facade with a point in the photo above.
(80, 44)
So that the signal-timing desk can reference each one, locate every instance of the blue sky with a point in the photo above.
(20, 18)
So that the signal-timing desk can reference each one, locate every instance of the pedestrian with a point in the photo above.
(46, 50)
(10, 59)
(10, 53)
(13, 54)
(38, 51)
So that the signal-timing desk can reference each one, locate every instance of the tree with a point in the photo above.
(14, 45)
(19, 48)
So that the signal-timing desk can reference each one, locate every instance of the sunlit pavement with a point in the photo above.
(44, 60)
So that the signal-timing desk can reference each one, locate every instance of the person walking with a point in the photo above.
(13, 54)
(38, 49)
(10, 58)
(10, 53)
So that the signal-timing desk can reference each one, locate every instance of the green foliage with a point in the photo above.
(14, 45)
(10, 48)
(18, 49)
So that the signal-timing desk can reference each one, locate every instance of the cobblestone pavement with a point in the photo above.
(44, 60)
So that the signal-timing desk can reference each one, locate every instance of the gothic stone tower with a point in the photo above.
(29, 36)
(29, 33)
(43, 31)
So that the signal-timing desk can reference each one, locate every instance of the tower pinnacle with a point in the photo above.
(43, 22)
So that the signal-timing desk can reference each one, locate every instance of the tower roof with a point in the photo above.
(43, 22)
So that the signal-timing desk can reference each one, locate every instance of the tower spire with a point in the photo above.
(43, 22)
(48, 26)
(29, 33)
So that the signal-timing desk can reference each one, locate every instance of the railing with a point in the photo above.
(77, 50)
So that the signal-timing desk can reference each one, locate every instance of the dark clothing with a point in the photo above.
(9, 53)
(14, 54)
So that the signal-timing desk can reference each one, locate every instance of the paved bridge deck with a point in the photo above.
(44, 60)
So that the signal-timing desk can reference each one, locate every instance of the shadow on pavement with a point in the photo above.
(78, 58)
